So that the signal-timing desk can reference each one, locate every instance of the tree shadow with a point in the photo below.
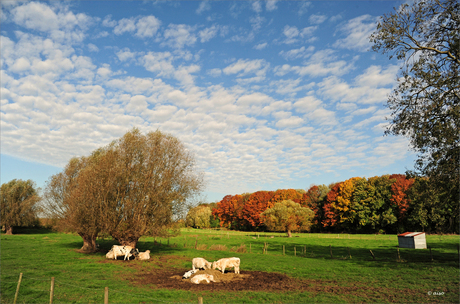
(29, 230)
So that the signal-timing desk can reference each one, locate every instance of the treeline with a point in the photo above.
(381, 204)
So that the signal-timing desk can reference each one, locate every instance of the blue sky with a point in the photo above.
(267, 94)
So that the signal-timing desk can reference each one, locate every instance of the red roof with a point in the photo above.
(410, 234)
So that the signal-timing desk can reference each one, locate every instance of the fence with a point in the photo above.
(18, 298)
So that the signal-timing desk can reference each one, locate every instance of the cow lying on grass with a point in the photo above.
(144, 255)
(202, 277)
(125, 251)
(227, 262)
(200, 263)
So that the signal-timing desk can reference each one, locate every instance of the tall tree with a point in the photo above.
(288, 216)
(18, 204)
(130, 188)
(425, 106)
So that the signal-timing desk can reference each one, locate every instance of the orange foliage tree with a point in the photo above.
(229, 209)
(257, 203)
(330, 217)
(399, 191)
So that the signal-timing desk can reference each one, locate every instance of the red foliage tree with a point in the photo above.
(229, 209)
(399, 191)
(257, 203)
(330, 217)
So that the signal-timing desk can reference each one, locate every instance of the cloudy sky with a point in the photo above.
(267, 94)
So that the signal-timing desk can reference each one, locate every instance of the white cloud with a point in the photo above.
(271, 5)
(243, 67)
(256, 6)
(317, 19)
(261, 46)
(302, 52)
(179, 35)
(125, 25)
(208, 33)
(357, 33)
(204, 6)
(147, 26)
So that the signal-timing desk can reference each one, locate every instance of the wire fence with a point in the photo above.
(31, 289)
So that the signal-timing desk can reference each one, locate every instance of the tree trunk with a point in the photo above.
(9, 230)
(128, 241)
(89, 243)
(289, 233)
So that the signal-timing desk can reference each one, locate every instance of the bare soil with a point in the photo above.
(164, 272)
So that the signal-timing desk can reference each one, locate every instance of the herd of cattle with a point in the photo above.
(197, 263)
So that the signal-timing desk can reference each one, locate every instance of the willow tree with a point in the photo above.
(154, 175)
(129, 188)
(287, 216)
(76, 197)
(18, 204)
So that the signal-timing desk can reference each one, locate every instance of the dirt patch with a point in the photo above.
(228, 281)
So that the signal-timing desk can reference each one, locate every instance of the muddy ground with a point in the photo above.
(165, 272)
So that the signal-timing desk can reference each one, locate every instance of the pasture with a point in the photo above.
(305, 273)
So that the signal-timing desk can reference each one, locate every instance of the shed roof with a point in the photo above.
(410, 234)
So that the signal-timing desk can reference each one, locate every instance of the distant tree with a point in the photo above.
(287, 216)
(399, 197)
(425, 106)
(229, 210)
(199, 217)
(257, 203)
(314, 199)
(18, 204)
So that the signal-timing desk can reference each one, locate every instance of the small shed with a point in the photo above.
(416, 240)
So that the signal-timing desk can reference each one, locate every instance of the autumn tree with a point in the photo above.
(399, 197)
(425, 107)
(314, 199)
(257, 203)
(229, 210)
(287, 216)
(199, 217)
(18, 204)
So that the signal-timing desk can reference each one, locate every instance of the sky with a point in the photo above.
(266, 94)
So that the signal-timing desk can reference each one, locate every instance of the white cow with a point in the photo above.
(189, 273)
(126, 251)
(200, 263)
(144, 255)
(202, 277)
(227, 262)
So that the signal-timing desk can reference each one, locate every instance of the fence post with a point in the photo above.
(200, 300)
(52, 290)
(373, 256)
(283, 250)
(431, 255)
(330, 250)
(106, 295)
(399, 257)
(295, 252)
(17, 288)
(305, 249)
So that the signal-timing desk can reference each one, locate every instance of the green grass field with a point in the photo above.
(352, 275)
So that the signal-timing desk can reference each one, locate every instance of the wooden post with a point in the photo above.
(52, 290)
(106, 295)
(283, 250)
(399, 257)
(17, 288)
(250, 248)
(330, 249)
(295, 252)
(373, 256)
(305, 249)
(200, 300)
(349, 252)
(431, 255)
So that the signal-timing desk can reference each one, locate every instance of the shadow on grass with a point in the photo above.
(30, 230)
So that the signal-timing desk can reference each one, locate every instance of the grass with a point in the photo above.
(81, 278)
